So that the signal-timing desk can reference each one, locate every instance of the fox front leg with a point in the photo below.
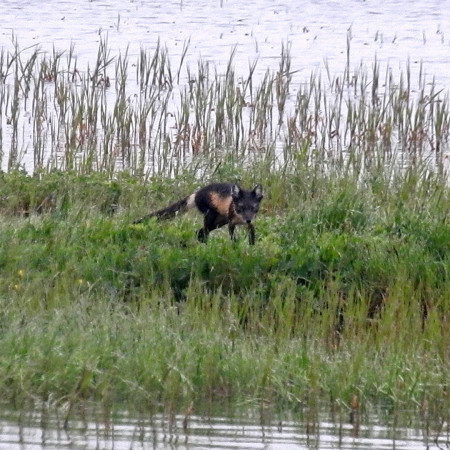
(231, 228)
(251, 234)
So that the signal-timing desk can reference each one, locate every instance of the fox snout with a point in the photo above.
(247, 218)
(244, 218)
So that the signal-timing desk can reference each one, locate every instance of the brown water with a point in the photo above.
(28, 431)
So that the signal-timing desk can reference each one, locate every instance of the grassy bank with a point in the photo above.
(345, 294)
(343, 299)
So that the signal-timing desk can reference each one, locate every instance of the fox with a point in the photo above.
(220, 204)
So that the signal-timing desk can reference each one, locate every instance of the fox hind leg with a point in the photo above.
(211, 221)
(202, 235)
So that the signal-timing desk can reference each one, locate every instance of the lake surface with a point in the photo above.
(35, 431)
(393, 31)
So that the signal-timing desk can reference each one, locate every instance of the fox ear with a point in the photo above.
(235, 191)
(258, 192)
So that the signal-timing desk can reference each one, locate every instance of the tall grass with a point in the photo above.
(156, 119)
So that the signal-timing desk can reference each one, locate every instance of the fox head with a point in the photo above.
(246, 203)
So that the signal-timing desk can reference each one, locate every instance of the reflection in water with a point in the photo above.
(44, 430)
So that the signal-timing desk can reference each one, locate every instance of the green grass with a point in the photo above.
(346, 293)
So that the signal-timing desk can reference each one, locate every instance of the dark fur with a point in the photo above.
(220, 204)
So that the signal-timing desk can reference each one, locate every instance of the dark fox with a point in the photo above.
(220, 204)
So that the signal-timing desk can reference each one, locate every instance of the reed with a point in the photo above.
(169, 119)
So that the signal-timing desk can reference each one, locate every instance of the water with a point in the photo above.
(43, 431)
(317, 29)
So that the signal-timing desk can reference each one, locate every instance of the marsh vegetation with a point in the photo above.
(344, 299)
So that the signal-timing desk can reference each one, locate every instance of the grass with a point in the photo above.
(346, 293)
(344, 296)
(151, 119)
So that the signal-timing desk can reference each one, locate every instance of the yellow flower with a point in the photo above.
(21, 273)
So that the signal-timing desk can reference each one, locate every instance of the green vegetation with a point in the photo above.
(344, 296)
(346, 293)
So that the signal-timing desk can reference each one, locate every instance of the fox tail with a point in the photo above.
(179, 207)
